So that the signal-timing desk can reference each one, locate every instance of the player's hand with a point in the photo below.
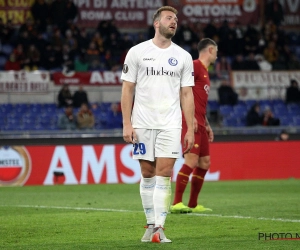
(188, 141)
(195, 125)
(210, 133)
(129, 134)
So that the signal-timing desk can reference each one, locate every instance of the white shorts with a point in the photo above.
(153, 143)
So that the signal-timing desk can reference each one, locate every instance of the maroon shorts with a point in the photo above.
(201, 144)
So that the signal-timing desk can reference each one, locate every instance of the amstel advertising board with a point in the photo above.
(113, 163)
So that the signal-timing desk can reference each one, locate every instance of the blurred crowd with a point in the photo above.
(51, 40)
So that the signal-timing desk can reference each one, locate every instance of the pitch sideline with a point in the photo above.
(130, 211)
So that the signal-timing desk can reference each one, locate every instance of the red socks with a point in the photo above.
(196, 185)
(181, 182)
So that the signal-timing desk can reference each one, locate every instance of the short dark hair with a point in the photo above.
(156, 15)
(204, 43)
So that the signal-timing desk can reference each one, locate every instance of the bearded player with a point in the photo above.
(197, 160)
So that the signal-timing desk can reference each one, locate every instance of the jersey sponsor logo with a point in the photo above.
(15, 166)
(148, 59)
(175, 153)
(172, 61)
(206, 88)
(125, 68)
(196, 145)
(150, 71)
(205, 76)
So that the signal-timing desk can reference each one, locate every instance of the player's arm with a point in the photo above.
(209, 130)
(126, 105)
(187, 105)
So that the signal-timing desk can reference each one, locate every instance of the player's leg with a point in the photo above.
(147, 185)
(143, 150)
(182, 180)
(199, 173)
(167, 147)
(190, 162)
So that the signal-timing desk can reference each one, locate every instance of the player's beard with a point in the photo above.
(166, 32)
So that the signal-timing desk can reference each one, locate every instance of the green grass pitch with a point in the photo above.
(110, 217)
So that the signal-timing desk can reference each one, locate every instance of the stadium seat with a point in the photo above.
(230, 122)
(7, 49)
(2, 62)
(213, 105)
(226, 110)
(285, 121)
(296, 121)
(250, 103)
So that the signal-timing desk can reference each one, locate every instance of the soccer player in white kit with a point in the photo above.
(158, 74)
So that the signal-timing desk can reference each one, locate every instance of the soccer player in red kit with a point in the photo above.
(197, 160)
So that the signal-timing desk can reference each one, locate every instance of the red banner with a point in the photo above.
(203, 11)
(106, 78)
(126, 14)
(138, 14)
(17, 11)
(291, 9)
(90, 164)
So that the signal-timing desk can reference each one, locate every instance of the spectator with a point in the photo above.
(83, 40)
(269, 119)
(294, 63)
(238, 63)
(185, 34)
(271, 53)
(223, 67)
(194, 51)
(92, 53)
(238, 38)
(210, 30)
(58, 14)
(127, 42)
(227, 96)
(262, 63)
(7, 31)
(71, 40)
(113, 44)
(64, 96)
(40, 13)
(114, 116)
(85, 117)
(12, 63)
(99, 42)
(71, 11)
(34, 57)
(292, 93)
(67, 58)
(67, 120)
(283, 136)
(250, 63)
(49, 58)
(274, 12)
(254, 117)
(80, 97)
(29, 27)
(80, 64)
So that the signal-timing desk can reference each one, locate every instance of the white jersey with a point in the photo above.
(159, 74)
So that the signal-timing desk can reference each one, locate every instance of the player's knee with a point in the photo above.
(204, 163)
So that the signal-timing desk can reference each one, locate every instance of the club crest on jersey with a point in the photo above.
(172, 61)
(125, 68)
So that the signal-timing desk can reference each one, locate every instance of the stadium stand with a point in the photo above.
(38, 116)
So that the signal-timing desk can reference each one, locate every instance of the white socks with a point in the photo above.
(147, 186)
(161, 199)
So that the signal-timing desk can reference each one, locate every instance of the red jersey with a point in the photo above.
(200, 91)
